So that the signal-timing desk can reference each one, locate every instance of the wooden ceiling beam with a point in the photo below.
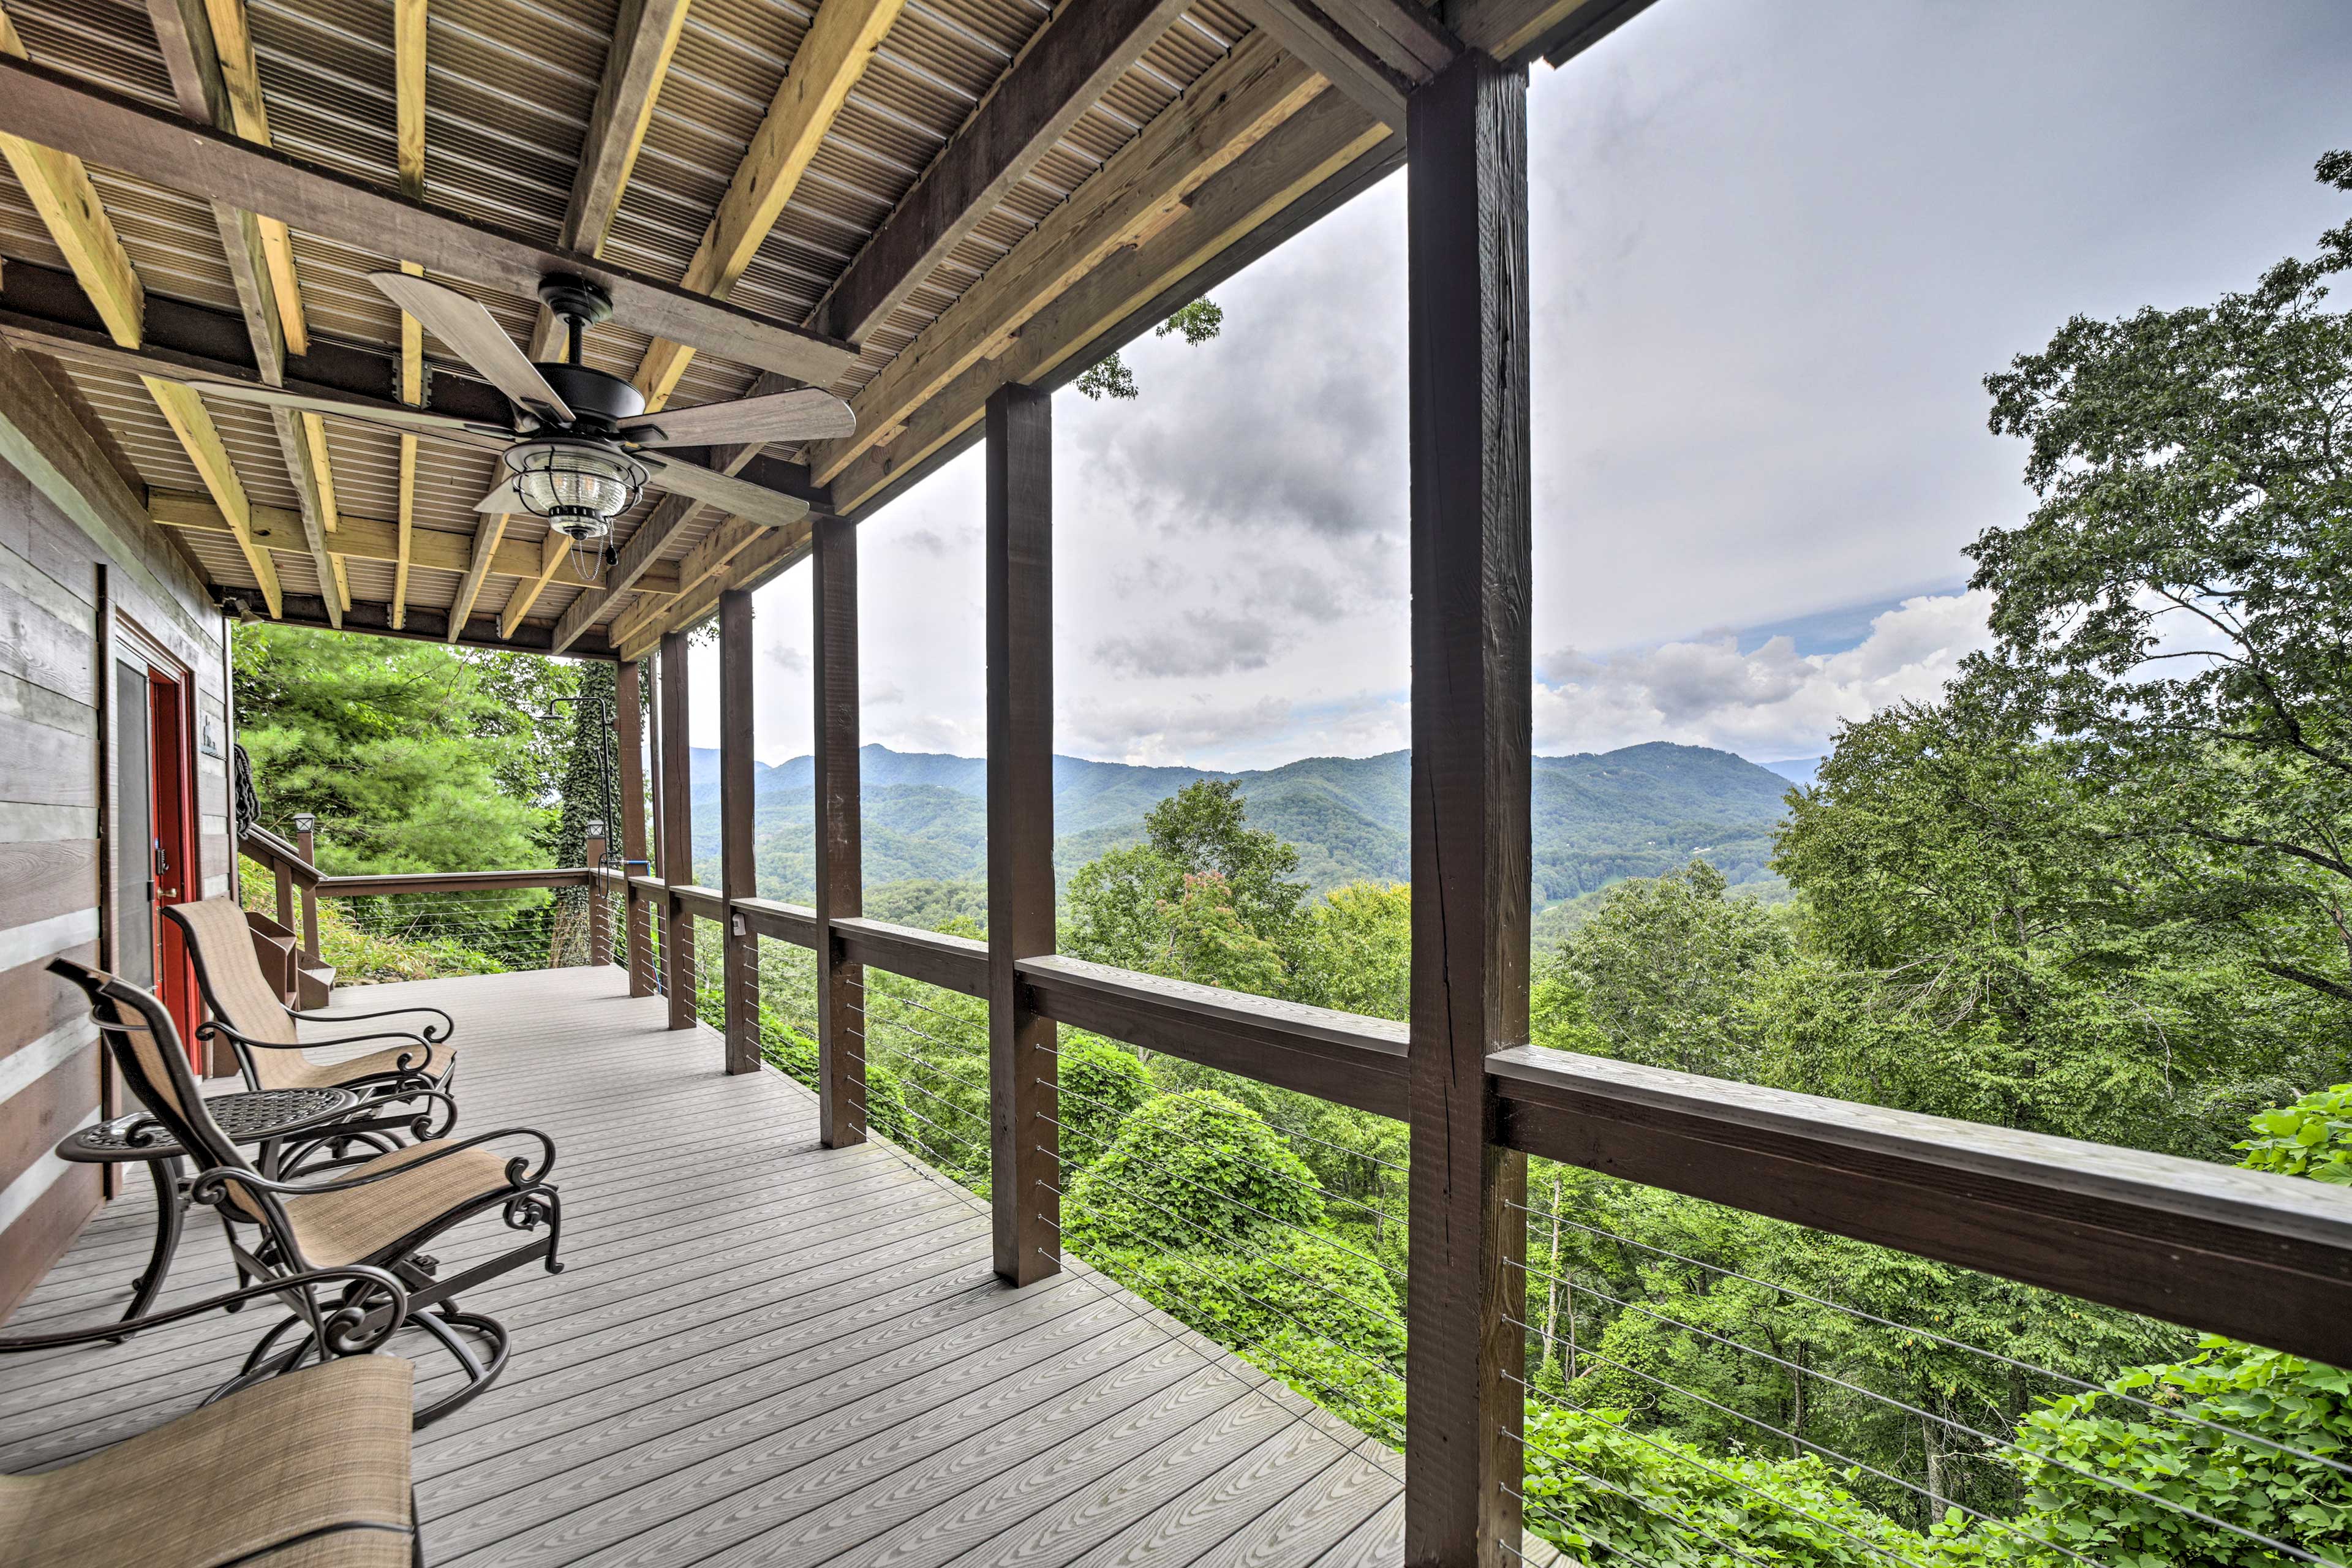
(208, 51)
(832, 56)
(59, 187)
(1334, 53)
(57, 110)
(375, 538)
(1552, 31)
(1291, 160)
(1144, 186)
(427, 625)
(775, 551)
(644, 36)
(1065, 70)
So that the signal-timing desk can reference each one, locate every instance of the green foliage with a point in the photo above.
(2312, 1137)
(2111, 1480)
(1101, 1085)
(1600, 1490)
(1204, 897)
(415, 757)
(1108, 377)
(1246, 1298)
(2192, 503)
(1668, 972)
(1360, 954)
(1194, 1169)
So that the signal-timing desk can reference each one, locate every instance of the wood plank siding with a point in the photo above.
(761, 1348)
(76, 552)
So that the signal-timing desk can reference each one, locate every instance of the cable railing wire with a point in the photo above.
(1864, 1315)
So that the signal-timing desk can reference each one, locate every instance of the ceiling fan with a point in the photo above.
(581, 446)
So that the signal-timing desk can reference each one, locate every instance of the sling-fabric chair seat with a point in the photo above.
(308, 1470)
(347, 1226)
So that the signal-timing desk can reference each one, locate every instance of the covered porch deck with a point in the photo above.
(762, 1350)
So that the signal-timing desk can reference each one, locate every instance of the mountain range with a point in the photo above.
(1597, 818)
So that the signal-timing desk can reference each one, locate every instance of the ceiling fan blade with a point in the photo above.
(803, 414)
(366, 412)
(739, 497)
(465, 326)
(505, 498)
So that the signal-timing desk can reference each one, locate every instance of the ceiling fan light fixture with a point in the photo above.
(576, 481)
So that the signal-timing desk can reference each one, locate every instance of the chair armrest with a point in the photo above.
(347, 1334)
(207, 1188)
(448, 1024)
(213, 1027)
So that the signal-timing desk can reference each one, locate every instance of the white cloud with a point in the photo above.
(1768, 702)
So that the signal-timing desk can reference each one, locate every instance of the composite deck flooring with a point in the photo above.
(760, 1350)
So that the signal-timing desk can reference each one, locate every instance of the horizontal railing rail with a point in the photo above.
(950, 962)
(366, 887)
(2208, 1246)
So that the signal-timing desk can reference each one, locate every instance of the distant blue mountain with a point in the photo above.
(1597, 818)
(1798, 770)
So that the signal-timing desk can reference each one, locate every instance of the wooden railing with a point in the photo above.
(2210, 1248)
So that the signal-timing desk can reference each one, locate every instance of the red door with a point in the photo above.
(154, 858)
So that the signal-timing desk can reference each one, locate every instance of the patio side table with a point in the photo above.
(266, 1117)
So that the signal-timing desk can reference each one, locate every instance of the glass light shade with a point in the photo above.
(574, 479)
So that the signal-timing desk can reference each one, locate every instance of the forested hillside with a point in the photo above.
(1598, 818)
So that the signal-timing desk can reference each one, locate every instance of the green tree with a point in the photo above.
(415, 757)
(1668, 970)
(1108, 377)
(2177, 609)
(1204, 897)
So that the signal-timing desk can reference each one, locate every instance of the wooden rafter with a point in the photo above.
(525, 593)
(377, 538)
(194, 426)
(208, 52)
(408, 33)
(492, 529)
(704, 567)
(1143, 188)
(775, 549)
(240, 73)
(61, 192)
(644, 36)
(1076, 56)
(832, 56)
(1375, 51)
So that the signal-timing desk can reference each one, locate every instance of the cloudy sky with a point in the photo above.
(1776, 248)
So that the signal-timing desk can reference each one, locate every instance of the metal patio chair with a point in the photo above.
(260, 1027)
(380, 1214)
(306, 1470)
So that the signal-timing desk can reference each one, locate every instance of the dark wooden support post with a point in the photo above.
(1466, 249)
(306, 839)
(676, 800)
(628, 726)
(739, 970)
(840, 857)
(1025, 1168)
(600, 933)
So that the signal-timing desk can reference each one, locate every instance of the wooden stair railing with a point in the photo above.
(293, 963)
